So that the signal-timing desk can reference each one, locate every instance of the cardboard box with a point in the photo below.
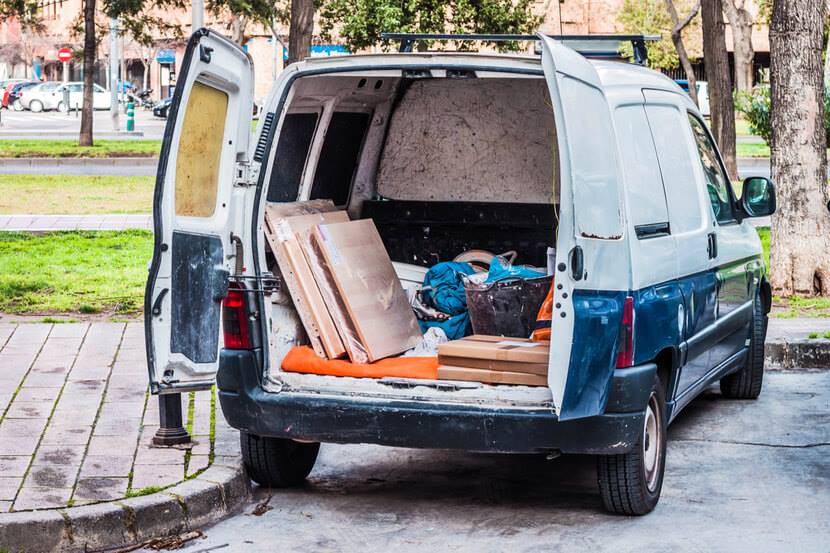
(369, 287)
(496, 353)
(446, 372)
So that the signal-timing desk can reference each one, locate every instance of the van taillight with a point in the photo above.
(235, 320)
(625, 355)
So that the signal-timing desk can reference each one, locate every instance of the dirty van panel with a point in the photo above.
(195, 213)
(339, 156)
(292, 151)
(591, 257)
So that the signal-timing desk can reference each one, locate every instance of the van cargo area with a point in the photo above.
(442, 162)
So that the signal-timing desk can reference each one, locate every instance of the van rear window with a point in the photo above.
(290, 157)
(339, 156)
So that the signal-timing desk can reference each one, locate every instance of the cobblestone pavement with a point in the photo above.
(76, 418)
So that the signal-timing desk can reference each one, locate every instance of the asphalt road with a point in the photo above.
(742, 476)
(55, 125)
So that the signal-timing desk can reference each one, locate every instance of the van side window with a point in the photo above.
(339, 156)
(646, 198)
(673, 152)
(290, 157)
(717, 182)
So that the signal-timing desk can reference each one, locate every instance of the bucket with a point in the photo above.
(506, 307)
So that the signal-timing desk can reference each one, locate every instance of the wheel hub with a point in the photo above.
(652, 430)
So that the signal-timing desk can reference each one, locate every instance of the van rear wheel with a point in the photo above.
(747, 382)
(630, 483)
(277, 462)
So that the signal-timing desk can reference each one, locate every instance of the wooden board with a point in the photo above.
(497, 348)
(446, 372)
(369, 287)
(280, 210)
(494, 365)
(299, 279)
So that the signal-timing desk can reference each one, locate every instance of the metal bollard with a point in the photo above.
(130, 117)
(171, 426)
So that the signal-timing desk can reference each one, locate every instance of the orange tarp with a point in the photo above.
(302, 359)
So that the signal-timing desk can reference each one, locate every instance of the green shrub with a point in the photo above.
(755, 106)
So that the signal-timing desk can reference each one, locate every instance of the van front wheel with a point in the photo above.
(747, 382)
(630, 483)
(277, 462)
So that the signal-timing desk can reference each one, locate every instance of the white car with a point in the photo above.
(51, 95)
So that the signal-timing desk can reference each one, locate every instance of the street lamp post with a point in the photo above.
(114, 73)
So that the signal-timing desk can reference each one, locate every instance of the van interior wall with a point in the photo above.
(444, 165)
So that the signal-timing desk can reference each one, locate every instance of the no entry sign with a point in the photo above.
(64, 54)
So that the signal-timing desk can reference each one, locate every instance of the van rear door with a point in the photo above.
(592, 261)
(196, 212)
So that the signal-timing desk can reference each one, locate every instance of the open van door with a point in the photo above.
(196, 212)
(591, 259)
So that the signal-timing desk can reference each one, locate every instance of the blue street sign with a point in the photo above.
(166, 55)
(322, 51)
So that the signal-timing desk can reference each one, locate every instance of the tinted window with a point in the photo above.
(289, 159)
(713, 173)
(339, 156)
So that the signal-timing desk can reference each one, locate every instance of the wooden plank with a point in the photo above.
(302, 287)
(494, 364)
(369, 287)
(446, 372)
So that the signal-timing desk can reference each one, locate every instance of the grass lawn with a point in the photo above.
(74, 272)
(75, 194)
(70, 148)
(742, 127)
(744, 149)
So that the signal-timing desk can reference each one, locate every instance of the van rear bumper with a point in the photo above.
(347, 419)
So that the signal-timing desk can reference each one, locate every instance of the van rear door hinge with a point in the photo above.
(244, 174)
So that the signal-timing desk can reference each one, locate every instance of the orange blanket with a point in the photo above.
(302, 359)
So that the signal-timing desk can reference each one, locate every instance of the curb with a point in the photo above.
(35, 162)
(798, 354)
(211, 496)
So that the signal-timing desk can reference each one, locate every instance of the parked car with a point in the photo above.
(161, 108)
(660, 283)
(50, 95)
(11, 93)
(702, 94)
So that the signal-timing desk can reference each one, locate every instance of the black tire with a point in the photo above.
(277, 462)
(35, 106)
(630, 483)
(748, 381)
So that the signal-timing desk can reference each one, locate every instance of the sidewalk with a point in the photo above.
(50, 223)
(76, 418)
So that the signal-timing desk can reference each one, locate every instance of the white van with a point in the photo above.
(660, 286)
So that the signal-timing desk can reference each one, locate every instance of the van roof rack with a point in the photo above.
(590, 46)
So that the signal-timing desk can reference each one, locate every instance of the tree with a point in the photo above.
(85, 139)
(800, 239)
(721, 103)
(301, 29)
(677, 39)
(360, 22)
(741, 21)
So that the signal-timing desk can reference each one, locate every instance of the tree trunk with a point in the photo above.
(721, 103)
(677, 39)
(741, 21)
(300, 30)
(85, 138)
(800, 256)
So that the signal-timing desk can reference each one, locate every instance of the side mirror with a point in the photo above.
(758, 197)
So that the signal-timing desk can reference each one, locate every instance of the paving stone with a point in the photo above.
(29, 393)
(30, 410)
(128, 381)
(197, 463)
(101, 488)
(70, 455)
(16, 428)
(66, 435)
(5, 506)
(117, 426)
(132, 395)
(107, 465)
(21, 445)
(9, 384)
(41, 498)
(14, 465)
(45, 379)
(9, 486)
(52, 476)
(156, 475)
(147, 455)
(109, 445)
(201, 445)
(69, 330)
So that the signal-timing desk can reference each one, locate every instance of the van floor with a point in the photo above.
(438, 391)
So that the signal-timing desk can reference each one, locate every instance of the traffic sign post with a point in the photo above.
(64, 56)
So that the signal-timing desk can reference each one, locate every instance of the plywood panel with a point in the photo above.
(369, 287)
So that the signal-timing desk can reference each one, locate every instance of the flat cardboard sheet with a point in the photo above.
(446, 372)
(369, 287)
(497, 349)
(494, 365)
(298, 277)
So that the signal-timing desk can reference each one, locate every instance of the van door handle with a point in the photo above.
(577, 261)
(712, 245)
